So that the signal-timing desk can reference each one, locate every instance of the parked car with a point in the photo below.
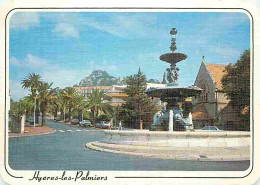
(209, 128)
(30, 120)
(74, 121)
(85, 123)
(103, 124)
(57, 119)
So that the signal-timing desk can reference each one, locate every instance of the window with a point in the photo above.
(204, 96)
(213, 128)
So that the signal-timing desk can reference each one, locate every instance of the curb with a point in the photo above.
(34, 134)
(94, 147)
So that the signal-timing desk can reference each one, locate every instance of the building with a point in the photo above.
(117, 95)
(212, 106)
(84, 91)
(115, 92)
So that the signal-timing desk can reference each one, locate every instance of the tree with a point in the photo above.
(153, 81)
(95, 101)
(80, 105)
(138, 105)
(45, 96)
(32, 82)
(69, 96)
(27, 103)
(57, 103)
(236, 85)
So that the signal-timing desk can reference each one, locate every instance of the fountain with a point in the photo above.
(173, 94)
(187, 142)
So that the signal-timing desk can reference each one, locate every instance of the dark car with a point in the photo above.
(74, 121)
(30, 120)
(57, 119)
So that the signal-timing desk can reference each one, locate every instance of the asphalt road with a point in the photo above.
(65, 150)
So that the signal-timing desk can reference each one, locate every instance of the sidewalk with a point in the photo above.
(30, 131)
(180, 153)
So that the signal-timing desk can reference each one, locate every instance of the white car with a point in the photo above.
(85, 123)
(103, 124)
(210, 128)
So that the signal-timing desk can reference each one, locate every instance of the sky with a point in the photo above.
(65, 47)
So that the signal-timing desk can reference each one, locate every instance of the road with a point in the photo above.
(65, 150)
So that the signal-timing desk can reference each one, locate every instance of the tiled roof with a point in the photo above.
(93, 87)
(216, 71)
(245, 110)
(200, 115)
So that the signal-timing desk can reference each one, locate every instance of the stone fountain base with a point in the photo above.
(178, 139)
(198, 145)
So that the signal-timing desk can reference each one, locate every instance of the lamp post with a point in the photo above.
(64, 114)
(35, 104)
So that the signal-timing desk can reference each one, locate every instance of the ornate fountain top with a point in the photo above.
(173, 47)
(173, 58)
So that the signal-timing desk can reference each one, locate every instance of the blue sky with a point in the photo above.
(65, 47)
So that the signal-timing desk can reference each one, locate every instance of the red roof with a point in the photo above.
(216, 71)
(93, 87)
(200, 115)
(245, 110)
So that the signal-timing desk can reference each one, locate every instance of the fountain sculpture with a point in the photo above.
(173, 94)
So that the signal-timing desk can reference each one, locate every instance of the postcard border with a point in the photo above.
(145, 8)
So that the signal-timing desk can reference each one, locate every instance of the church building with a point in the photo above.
(212, 106)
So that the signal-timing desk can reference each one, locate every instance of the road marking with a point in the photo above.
(77, 130)
(92, 130)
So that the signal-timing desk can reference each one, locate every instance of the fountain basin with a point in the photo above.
(178, 139)
(173, 91)
(173, 58)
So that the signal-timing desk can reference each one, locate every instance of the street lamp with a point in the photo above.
(64, 116)
(35, 104)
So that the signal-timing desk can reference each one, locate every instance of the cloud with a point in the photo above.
(65, 29)
(64, 77)
(105, 66)
(215, 26)
(16, 90)
(14, 61)
(29, 61)
(34, 61)
(127, 25)
(24, 20)
(52, 73)
(227, 53)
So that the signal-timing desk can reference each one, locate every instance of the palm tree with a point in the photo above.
(80, 105)
(57, 103)
(32, 82)
(28, 104)
(45, 96)
(96, 103)
(69, 96)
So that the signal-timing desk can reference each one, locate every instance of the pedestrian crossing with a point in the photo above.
(77, 130)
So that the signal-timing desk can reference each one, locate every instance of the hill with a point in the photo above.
(99, 78)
